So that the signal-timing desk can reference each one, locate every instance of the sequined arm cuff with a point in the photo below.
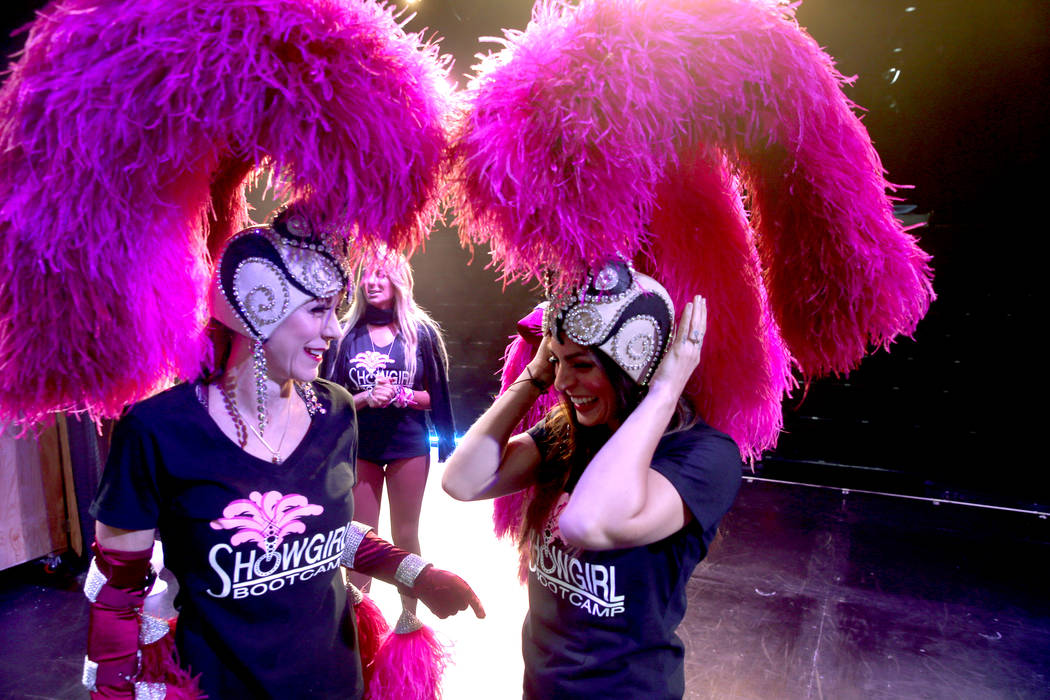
(89, 675)
(409, 569)
(355, 535)
(150, 691)
(94, 582)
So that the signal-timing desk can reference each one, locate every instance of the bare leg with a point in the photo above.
(405, 481)
(368, 496)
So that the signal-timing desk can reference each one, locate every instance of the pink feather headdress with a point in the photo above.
(634, 128)
(127, 131)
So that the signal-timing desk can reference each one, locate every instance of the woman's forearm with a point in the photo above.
(361, 400)
(620, 500)
(420, 399)
(473, 468)
(615, 488)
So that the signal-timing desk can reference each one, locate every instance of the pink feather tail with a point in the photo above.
(702, 244)
(507, 511)
(160, 665)
(372, 628)
(843, 274)
(409, 664)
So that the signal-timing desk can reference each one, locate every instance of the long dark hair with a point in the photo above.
(573, 446)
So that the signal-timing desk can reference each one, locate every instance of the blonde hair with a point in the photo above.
(408, 315)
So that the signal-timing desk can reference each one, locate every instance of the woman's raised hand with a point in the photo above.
(683, 355)
(540, 367)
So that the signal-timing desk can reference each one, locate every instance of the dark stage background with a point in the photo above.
(956, 103)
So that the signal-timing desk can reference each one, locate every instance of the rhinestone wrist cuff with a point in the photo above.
(150, 691)
(89, 674)
(409, 569)
(355, 535)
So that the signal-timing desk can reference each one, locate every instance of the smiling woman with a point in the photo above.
(247, 475)
(296, 348)
(582, 378)
(625, 487)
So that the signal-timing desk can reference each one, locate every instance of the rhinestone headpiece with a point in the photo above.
(267, 272)
(625, 314)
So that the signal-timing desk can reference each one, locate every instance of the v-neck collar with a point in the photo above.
(376, 346)
(267, 464)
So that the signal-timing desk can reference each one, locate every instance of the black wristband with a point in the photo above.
(536, 382)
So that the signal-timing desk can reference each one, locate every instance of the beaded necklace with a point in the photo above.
(306, 393)
(242, 427)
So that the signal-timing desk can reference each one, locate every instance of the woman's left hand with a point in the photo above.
(683, 355)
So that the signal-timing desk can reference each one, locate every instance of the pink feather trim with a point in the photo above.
(507, 514)
(372, 630)
(409, 667)
(507, 510)
(160, 665)
(126, 129)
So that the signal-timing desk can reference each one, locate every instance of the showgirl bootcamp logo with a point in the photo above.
(371, 361)
(265, 519)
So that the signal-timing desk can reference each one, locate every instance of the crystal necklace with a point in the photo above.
(242, 427)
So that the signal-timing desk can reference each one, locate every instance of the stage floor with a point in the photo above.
(807, 593)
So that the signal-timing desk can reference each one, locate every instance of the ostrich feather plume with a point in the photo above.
(127, 130)
(635, 128)
(410, 663)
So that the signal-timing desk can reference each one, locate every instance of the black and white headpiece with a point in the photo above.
(263, 275)
(267, 272)
(625, 314)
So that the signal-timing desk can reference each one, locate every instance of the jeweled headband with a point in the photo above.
(625, 314)
(267, 272)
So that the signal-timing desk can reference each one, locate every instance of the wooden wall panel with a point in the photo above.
(33, 518)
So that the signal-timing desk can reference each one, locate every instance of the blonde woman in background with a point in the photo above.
(392, 360)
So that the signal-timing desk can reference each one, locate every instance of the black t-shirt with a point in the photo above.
(390, 432)
(602, 624)
(255, 546)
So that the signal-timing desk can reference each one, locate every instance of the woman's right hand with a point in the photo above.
(540, 367)
(382, 393)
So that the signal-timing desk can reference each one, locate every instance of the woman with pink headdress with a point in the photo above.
(246, 475)
(709, 143)
(129, 132)
(626, 487)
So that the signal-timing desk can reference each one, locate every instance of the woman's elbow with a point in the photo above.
(456, 488)
(581, 529)
(461, 485)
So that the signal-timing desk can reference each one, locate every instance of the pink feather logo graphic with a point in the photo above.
(371, 361)
(265, 519)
